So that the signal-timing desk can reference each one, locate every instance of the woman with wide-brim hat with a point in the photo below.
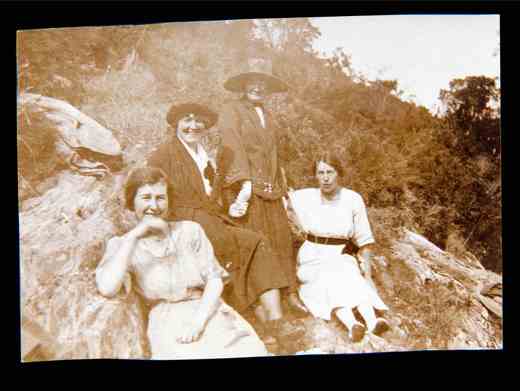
(253, 181)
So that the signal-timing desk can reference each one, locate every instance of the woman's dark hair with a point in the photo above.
(329, 158)
(141, 176)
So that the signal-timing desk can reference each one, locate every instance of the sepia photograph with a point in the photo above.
(260, 187)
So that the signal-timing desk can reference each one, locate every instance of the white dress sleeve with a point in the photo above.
(202, 249)
(111, 249)
(301, 202)
(362, 234)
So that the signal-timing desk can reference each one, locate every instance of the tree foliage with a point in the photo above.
(473, 110)
(473, 115)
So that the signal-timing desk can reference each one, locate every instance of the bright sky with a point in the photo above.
(423, 52)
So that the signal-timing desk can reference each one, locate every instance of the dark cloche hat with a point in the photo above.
(176, 112)
(258, 69)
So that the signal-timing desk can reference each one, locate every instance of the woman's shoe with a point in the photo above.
(381, 326)
(357, 332)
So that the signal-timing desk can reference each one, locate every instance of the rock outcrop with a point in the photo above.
(66, 137)
(62, 236)
(76, 129)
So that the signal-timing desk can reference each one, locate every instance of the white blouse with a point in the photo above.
(178, 275)
(345, 218)
(201, 159)
(260, 113)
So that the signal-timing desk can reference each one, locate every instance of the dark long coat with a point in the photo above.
(246, 254)
(255, 158)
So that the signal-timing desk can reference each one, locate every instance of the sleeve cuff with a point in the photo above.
(365, 241)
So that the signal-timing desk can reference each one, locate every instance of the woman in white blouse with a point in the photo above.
(335, 223)
(177, 274)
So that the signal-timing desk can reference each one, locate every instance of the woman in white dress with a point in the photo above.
(335, 223)
(176, 272)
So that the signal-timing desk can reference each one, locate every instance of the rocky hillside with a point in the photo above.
(436, 300)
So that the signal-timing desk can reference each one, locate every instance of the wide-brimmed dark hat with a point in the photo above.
(257, 69)
(176, 112)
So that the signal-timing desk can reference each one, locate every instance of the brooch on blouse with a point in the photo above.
(268, 188)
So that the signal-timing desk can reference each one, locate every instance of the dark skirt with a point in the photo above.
(269, 218)
(247, 255)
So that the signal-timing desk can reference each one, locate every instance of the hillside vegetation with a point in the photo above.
(437, 175)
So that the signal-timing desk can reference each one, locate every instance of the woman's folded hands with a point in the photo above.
(239, 207)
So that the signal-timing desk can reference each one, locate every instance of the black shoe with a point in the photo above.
(381, 326)
(357, 332)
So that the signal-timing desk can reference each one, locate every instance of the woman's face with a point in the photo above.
(151, 200)
(256, 91)
(327, 178)
(190, 129)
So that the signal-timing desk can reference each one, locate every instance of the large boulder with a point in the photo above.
(52, 136)
(62, 237)
(76, 129)
(65, 220)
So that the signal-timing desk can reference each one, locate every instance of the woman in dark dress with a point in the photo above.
(253, 181)
(256, 272)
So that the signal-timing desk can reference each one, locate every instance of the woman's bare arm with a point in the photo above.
(210, 300)
(207, 306)
(111, 272)
(365, 253)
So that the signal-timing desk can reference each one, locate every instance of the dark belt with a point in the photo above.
(350, 247)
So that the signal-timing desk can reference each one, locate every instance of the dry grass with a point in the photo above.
(430, 313)
(128, 103)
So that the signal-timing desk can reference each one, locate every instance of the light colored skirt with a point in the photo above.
(331, 280)
(226, 335)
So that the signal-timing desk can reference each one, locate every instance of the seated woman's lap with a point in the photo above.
(328, 267)
(167, 320)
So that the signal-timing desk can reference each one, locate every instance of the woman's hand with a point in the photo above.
(150, 224)
(238, 209)
(245, 192)
(193, 329)
(365, 260)
(191, 332)
(364, 267)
